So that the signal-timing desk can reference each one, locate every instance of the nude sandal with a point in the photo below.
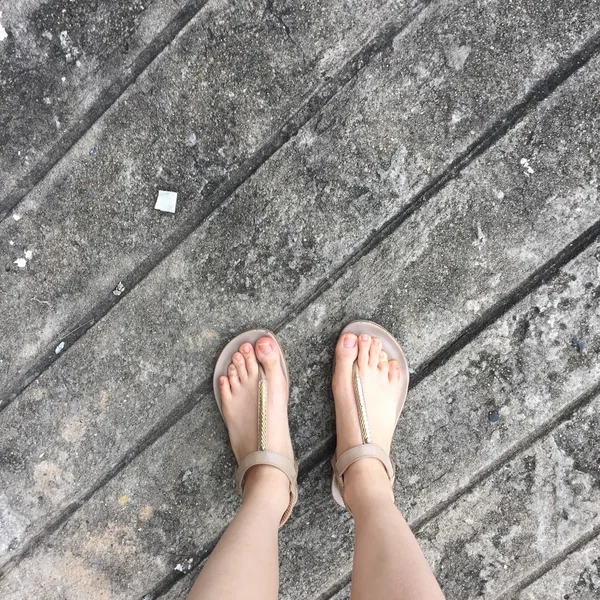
(368, 449)
(262, 456)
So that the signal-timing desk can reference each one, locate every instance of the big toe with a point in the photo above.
(267, 353)
(346, 351)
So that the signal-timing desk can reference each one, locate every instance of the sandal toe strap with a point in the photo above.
(273, 459)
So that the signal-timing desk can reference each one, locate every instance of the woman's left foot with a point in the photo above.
(239, 394)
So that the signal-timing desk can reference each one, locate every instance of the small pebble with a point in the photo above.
(494, 416)
(577, 344)
(191, 141)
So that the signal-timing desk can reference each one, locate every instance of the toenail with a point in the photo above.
(349, 341)
(364, 337)
(376, 342)
(232, 367)
(246, 348)
(265, 347)
(237, 357)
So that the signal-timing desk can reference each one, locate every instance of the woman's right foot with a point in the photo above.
(382, 385)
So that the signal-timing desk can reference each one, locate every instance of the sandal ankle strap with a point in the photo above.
(364, 451)
(273, 459)
(349, 457)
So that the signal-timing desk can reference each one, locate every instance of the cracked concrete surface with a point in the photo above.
(430, 166)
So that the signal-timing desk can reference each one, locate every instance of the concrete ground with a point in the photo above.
(433, 166)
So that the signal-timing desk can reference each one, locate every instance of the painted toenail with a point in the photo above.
(265, 347)
(364, 337)
(349, 341)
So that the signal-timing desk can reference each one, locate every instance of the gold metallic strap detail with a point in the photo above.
(361, 406)
(262, 410)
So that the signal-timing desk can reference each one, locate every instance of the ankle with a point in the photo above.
(366, 483)
(268, 487)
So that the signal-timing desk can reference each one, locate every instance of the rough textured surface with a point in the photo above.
(577, 578)
(211, 101)
(114, 468)
(346, 168)
(523, 514)
(86, 422)
(528, 373)
(59, 60)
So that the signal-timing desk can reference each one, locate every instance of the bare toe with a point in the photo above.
(268, 354)
(346, 351)
(234, 379)
(225, 389)
(364, 346)
(383, 362)
(394, 371)
(240, 366)
(374, 352)
(251, 365)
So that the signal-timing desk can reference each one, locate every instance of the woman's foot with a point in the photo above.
(382, 385)
(239, 394)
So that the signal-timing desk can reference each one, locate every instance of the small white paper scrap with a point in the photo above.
(59, 348)
(166, 201)
(119, 289)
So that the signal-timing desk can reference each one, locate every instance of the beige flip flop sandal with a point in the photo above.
(368, 449)
(262, 456)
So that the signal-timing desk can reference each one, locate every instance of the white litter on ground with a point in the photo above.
(59, 348)
(28, 254)
(21, 263)
(166, 201)
(179, 568)
(3, 34)
(119, 289)
(525, 164)
(16, 216)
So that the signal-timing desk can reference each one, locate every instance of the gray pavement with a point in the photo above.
(430, 166)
